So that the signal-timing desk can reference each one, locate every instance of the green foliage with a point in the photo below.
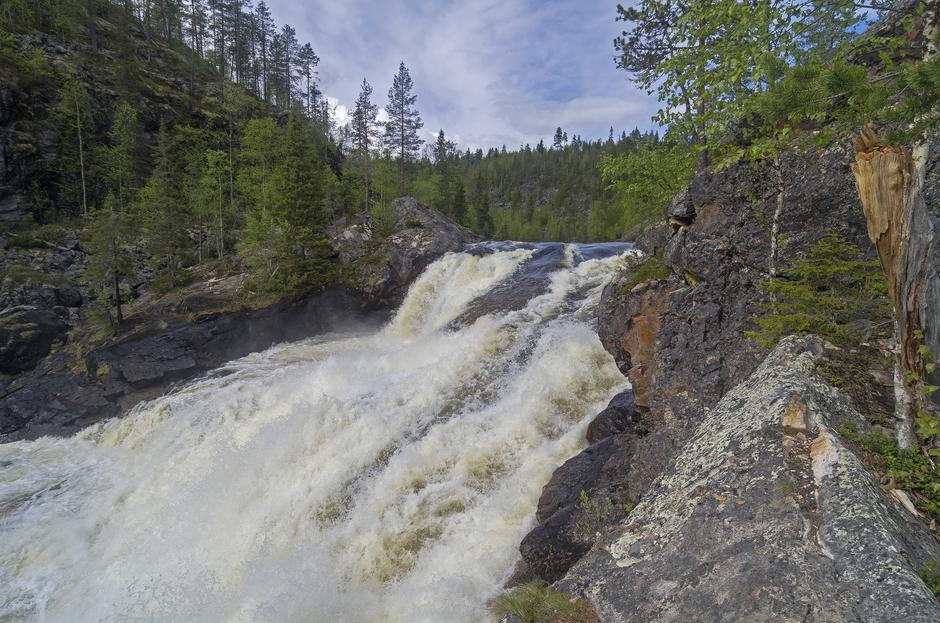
(110, 258)
(643, 268)
(926, 422)
(537, 603)
(25, 68)
(819, 99)
(383, 218)
(647, 179)
(930, 574)
(833, 292)
(282, 181)
(916, 470)
(704, 60)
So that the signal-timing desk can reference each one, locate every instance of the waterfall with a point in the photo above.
(380, 476)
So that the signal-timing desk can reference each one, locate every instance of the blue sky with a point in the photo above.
(488, 72)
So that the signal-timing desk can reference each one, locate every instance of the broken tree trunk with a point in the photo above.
(890, 184)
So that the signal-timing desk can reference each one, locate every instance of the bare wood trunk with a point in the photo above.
(775, 223)
(81, 158)
(890, 185)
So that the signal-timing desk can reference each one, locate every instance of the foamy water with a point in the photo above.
(381, 477)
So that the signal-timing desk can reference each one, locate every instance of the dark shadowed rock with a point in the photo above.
(592, 490)
(12, 209)
(586, 493)
(682, 210)
(765, 515)
(685, 336)
(27, 335)
(620, 416)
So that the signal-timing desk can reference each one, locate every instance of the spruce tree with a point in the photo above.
(401, 130)
(459, 205)
(308, 60)
(442, 154)
(364, 131)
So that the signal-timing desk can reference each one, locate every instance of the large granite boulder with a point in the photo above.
(765, 515)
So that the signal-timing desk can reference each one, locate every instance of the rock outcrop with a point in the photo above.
(27, 334)
(382, 267)
(681, 340)
(595, 488)
(765, 515)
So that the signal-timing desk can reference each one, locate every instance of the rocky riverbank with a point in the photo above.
(51, 388)
(720, 488)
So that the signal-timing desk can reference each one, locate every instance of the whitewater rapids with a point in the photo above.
(385, 476)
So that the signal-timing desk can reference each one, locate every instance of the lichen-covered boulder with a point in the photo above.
(765, 515)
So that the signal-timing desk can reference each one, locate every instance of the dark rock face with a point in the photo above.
(383, 268)
(620, 416)
(684, 337)
(27, 335)
(593, 489)
(739, 503)
(765, 515)
(568, 521)
(52, 400)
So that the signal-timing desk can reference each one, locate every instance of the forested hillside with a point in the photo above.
(172, 134)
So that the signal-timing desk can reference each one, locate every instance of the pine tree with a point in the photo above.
(483, 219)
(265, 34)
(459, 205)
(307, 61)
(109, 261)
(289, 51)
(125, 155)
(557, 141)
(365, 130)
(401, 131)
(161, 211)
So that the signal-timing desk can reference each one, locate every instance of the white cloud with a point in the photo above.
(340, 111)
(488, 72)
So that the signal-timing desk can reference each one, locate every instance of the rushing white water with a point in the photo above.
(381, 477)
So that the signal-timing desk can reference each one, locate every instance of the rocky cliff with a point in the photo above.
(749, 505)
